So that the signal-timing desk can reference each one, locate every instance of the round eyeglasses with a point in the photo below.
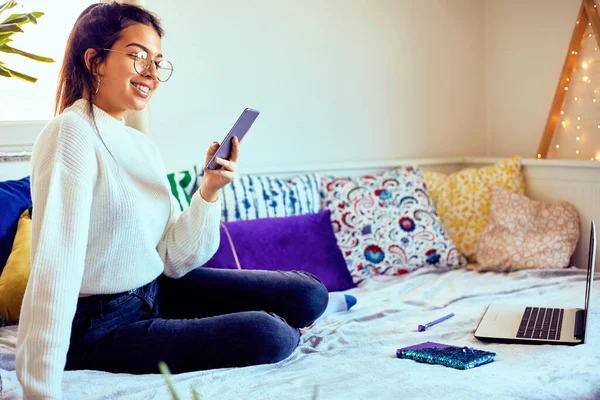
(142, 63)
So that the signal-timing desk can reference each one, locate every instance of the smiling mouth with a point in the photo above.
(145, 90)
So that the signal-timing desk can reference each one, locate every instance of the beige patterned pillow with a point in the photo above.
(462, 199)
(524, 234)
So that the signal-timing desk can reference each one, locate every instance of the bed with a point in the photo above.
(351, 355)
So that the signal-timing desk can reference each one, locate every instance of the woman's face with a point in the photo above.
(121, 87)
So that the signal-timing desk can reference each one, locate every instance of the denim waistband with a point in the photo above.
(147, 292)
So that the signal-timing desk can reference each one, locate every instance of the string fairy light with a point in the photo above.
(584, 71)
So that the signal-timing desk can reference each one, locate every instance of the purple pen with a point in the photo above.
(423, 328)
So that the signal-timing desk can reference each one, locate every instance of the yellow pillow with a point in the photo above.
(462, 199)
(16, 272)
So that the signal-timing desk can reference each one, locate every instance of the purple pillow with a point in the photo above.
(301, 243)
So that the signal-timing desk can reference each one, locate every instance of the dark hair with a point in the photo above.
(98, 26)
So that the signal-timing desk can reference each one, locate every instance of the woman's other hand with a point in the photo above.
(215, 179)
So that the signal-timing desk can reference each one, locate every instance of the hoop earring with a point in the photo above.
(98, 84)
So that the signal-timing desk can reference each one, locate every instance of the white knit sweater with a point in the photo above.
(104, 221)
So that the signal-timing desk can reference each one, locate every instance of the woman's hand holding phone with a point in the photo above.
(215, 179)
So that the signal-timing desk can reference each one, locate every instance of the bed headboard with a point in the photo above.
(577, 182)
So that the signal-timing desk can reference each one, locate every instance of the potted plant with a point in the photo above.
(9, 27)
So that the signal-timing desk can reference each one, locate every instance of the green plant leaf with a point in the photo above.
(19, 75)
(195, 394)
(5, 72)
(315, 392)
(12, 25)
(10, 28)
(167, 374)
(7, 6)
(22, 19)
(5, 38)
(7, 49)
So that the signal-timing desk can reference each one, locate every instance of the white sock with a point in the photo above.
(338, 302)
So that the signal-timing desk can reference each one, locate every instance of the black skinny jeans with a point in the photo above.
(210, 318)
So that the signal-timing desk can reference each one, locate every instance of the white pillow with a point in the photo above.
(262, 196)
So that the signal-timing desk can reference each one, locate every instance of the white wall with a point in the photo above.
(356, 80)
(526, 44)
(335, 80)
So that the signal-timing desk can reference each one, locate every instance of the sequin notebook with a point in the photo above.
(446, 355)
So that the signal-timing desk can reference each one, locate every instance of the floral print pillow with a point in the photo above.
(462, 199)
(524, 234)
(386, 224)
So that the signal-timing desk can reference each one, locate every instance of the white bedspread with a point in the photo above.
(352, 355)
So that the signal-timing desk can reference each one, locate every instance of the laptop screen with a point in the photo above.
(590, 276)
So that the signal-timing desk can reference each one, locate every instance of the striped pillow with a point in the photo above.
(183, 184)
(262, 196)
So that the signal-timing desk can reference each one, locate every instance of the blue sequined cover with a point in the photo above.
(449, 356)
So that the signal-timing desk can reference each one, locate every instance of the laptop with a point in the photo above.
(508, 323)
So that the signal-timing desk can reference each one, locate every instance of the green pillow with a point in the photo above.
(183, 184)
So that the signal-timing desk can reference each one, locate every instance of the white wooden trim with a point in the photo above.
(350, 166)
(459, 162)
(533, 162)
(19, 134)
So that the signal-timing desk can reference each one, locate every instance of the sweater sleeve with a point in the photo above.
(191, 237)
(64, 170)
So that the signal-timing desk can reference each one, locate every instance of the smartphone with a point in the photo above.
(239, 129)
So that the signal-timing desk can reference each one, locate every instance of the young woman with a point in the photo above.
(115, 284)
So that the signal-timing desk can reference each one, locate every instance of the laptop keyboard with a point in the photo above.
(541, 323)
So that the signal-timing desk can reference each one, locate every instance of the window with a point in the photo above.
(24, 101)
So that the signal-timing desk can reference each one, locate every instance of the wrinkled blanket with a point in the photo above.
(352, 355)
